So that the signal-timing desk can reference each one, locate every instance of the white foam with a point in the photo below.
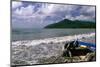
(53, 40)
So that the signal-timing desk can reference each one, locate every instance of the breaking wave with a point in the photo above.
(32, 51)
(52, 40)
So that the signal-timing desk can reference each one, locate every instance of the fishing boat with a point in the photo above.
(84, 50)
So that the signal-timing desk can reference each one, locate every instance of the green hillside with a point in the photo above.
(72, 24)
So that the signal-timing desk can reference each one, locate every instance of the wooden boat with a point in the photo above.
(78, 48)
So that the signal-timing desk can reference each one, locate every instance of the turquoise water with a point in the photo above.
(33, 34)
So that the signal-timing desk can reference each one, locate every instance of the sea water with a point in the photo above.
(35, 34)
(32, 45)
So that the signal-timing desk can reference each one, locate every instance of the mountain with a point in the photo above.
(66, 23)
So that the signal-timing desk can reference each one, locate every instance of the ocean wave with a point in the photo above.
(33, 51)
(52, 40)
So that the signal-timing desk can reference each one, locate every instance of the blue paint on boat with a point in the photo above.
(87, 44)
(91, 45)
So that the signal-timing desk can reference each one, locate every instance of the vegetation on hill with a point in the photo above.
(72, 24)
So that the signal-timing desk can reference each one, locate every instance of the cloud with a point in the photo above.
(16, 4)
(82, 17)
(83, 13)
(25, 10)
(41, 14)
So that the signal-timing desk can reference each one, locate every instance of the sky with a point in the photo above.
(38, 15)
